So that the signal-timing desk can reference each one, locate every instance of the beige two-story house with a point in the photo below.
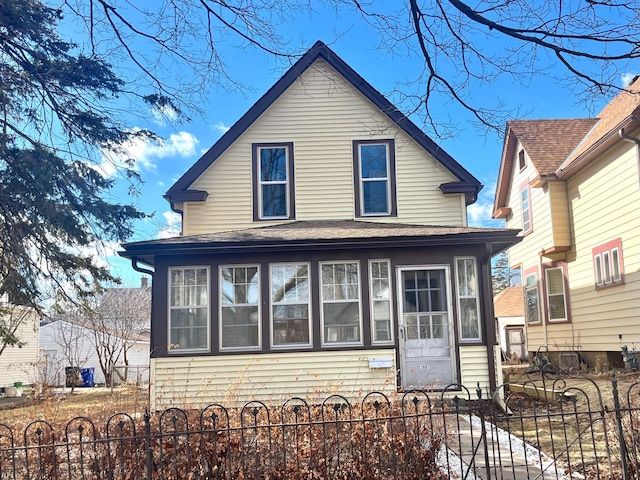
(573, 187)
(325, 249)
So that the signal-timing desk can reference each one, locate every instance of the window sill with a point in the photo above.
(187, 351)
(610, 285)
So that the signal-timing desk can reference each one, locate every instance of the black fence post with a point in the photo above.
(483, 427)
(147, 443)
(623, 444)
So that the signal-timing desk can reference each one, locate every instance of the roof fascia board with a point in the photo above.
(319, 50)
(603, 143)
(504, 173)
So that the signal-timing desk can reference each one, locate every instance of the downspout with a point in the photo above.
(138, 268)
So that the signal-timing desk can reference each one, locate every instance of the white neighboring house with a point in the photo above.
(18, 364)
(68, 344)
(508, 308)
(119, 329)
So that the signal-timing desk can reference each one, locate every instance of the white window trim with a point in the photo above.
(362, 180)
(459, 296)
(207, 307)
(322, 302)
(372, 301)
(605, 261)
(290, 346)
(286, 183)
(220, 306)
(528, 209)
(526, 302)
(564, 294)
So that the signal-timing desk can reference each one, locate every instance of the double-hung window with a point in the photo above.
(525, 204)
(290, 321)
(556, 294)
(374, 166)
(240, 307)
(188, 308)
(532, 302)
(380, 301)
(273, 188)
(340, 299)
(468, 305)
(608, 264)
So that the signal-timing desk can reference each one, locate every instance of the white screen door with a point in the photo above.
(426, 358)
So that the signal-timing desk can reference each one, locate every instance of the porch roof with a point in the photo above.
(307, 235)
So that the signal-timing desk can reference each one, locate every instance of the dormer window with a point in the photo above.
(375, 186)
(521, 160)
(273, 190)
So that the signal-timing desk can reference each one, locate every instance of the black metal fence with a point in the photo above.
(574, 428)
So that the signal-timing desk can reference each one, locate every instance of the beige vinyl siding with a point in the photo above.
(605, 205)
(474, 367)
(559, 208)
(541, 237)
(322, 114)
(198, 381)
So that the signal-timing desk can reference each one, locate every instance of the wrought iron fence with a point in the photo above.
(535, 429)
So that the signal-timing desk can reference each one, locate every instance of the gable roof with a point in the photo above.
(622, 112)
(560, 147)
(547, 143)
(467, 184)
(509, 303)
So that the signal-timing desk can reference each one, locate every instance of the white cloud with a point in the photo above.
(220, 127)
(172, 225)
(479, 213)
(163, 114)
(627, 78)
(146, 152)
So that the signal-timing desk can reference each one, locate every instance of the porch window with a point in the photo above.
(380, 289)
(188, 308)
(608, 264)
(468, 305)
(239, 305)
(290, 324)
(374, 164)
(273, 181)
(532, 306)
(556, 295)
(340, 298)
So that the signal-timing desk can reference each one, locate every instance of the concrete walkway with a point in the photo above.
(506, 458)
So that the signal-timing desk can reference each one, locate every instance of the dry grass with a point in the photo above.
(577, 431)
(98, 404)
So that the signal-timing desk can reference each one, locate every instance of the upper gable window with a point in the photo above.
(374, 167)
(522, 162)
(273, 190)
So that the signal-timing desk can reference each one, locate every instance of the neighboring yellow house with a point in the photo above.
(573, 188)
(325, 249)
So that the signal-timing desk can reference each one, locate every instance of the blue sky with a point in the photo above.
(477, 150)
